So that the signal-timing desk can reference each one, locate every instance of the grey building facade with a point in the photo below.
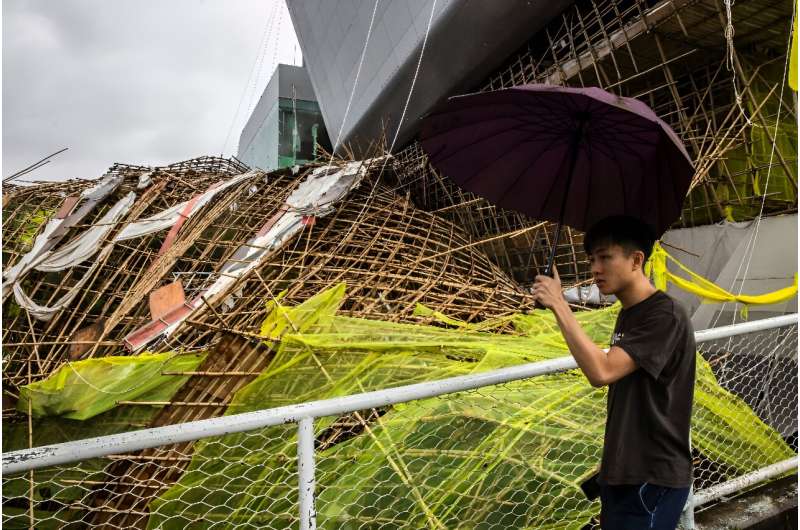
(467, 39)
(286, 123)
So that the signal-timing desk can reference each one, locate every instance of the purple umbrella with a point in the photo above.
(569, 155)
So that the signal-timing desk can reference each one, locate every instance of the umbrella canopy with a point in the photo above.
(571, 155)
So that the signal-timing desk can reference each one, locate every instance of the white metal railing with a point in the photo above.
(304, 415)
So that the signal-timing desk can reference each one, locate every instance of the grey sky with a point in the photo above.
(135, 81)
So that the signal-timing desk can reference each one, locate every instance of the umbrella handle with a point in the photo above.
(548, 271)
(582, 119)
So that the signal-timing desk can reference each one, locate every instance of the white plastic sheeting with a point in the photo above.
(45, 313)
(166, 218)
(155, 223)
(144, 180)
(86, 245)
(587, 294)
(55, 229)
(314, 196)
(748, 257)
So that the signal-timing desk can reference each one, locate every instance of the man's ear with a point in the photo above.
(638, 259)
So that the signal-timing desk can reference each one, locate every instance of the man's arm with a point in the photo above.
(599, 367)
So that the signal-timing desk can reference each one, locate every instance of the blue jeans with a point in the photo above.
(641, 506)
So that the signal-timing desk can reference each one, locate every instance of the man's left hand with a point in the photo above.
(547, 290)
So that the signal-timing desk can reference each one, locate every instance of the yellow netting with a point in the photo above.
(793, 58)
(84, 389)
(506, 456)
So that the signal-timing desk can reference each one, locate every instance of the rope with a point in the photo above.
(750, 247)
(386, 157)
(729, 62)
(355, 82)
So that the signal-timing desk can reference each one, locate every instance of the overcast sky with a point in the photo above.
(145, 82)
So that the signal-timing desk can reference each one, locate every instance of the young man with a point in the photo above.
(646, 469)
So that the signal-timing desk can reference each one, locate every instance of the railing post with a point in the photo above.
(305, 472)
(687, 516)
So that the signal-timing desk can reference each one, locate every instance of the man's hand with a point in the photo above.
(547, 290)
(600, 368)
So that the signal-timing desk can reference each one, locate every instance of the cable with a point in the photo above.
(261, 45)
(355, 82)
(752, 240)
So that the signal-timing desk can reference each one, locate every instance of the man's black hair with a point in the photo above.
(628, 232)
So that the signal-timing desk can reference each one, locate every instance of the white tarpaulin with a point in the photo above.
(166, 218)
(314, 196)
(84, 247)
(45, 313)
(56, 228)
(144, 180)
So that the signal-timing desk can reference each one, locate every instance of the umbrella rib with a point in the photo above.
(479, 140)
(612, 128)
(623, 145)
(450, 130)
(549, 191)
(531, 110)
(610, 155)
(588, 200)
(490, 164)
(630, 118)
(559, 117)
(556, 115)
(633, 135)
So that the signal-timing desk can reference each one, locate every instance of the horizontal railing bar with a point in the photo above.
(50, 455)
(745, 327)
(717, 491)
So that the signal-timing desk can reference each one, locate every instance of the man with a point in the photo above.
(646, 469)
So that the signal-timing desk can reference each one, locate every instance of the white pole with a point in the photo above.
(687, 515)
(754, 477)
(745, 327)
(124, 443)
(305, 472)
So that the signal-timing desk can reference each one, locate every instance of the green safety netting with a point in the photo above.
(84, 389)
(505, 456)
(78, 401)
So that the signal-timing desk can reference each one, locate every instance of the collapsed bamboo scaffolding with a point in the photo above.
(405, 236)
(391, 254)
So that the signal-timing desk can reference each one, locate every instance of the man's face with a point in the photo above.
(612, 269)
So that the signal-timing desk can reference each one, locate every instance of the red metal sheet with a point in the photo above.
(165, 299)
(67, 206)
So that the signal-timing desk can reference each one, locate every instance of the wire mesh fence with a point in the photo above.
(507, 455)
(760, 370)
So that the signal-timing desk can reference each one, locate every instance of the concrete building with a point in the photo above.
(285, 125)
(466, 41)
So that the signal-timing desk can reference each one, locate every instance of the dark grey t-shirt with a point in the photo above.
(647, 429)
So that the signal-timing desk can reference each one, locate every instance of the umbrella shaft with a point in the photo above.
(573, 157)
(548, 271)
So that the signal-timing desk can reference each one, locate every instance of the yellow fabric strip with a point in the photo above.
(709, 292)
(793, 58)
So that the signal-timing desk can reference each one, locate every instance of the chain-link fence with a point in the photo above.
(501, 449)
(759, 371)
